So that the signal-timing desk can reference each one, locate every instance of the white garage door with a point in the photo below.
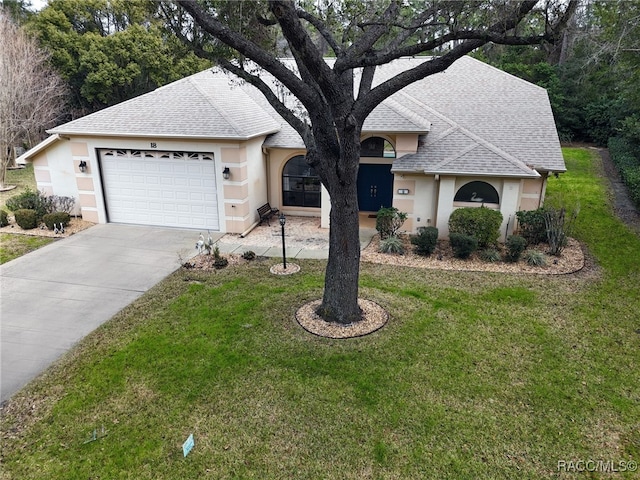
(172, 189)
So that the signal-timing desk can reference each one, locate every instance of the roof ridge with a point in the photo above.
(221, 111)
(476, 138)
(407, 113)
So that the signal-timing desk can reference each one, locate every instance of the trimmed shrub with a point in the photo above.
(425, 240)
(388, 221)
(391, 245)
(535, 258)
(482, 223)
(249, 255)
(531, 226)
(463, 245)
(490, 255)
(41, 203)
(4, 218)
(56, 218)
(26, 218)
(31, 200)
(515, 246)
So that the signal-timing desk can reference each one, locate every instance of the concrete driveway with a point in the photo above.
(53, 297)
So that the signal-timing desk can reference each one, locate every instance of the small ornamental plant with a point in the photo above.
(463, 245)
(26, 218)
(392, 245)
(425, 240)
(515, 246)
(389, 221)
(51, 220)
(249, 255)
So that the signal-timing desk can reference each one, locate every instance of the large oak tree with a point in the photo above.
(361, 36)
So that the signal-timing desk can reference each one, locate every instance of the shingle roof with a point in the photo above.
(472, 119)
(200, 106)
(507, 116)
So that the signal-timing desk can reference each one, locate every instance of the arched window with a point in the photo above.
(300, 184)
(377, 147)
(478, 192)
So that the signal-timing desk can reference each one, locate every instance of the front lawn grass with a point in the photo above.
(476, 375)
(13, 245)
(22, 179)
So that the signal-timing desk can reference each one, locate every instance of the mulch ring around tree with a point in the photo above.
(374, 317)
(279, 269)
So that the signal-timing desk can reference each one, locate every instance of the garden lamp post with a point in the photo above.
(283, 220)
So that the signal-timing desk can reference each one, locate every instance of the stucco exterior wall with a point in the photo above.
(246, 189)
(277, 159)
(57, 171)
(420, 203)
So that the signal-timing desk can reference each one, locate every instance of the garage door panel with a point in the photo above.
(161, 188)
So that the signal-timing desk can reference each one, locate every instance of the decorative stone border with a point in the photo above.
(278, 269)
(374, 317)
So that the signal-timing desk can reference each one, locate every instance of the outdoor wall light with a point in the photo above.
(82, 166)
(403, 191)
(226, 173)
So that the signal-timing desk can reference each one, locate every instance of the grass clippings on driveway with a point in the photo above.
(476, 375)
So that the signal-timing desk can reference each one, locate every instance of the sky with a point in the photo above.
(37, 5)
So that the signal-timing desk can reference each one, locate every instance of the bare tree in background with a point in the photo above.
(31, 93)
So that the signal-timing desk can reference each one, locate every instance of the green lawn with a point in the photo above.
(13, 245)
(476, 375)
(22, 178)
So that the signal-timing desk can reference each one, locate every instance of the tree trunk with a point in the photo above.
(340, 174)
(340, 300)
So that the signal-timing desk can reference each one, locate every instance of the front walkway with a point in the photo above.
(304, 238)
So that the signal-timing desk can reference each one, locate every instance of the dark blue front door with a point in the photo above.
(375, 187)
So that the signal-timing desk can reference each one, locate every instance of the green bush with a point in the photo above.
(4, 218)
(463, 245)
(31, 200)
(490, 254)
(515, 246)
(220, 262)
(388, 221)
(482, 223)
(627, 160)
(27, 218)
(249, 255)
(535, 258)
(425, 240)
(391, 245)
(56, 218)
(531, 226)
(41, 203)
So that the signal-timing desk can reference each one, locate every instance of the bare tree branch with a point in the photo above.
(249, 49)
(31, 93)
